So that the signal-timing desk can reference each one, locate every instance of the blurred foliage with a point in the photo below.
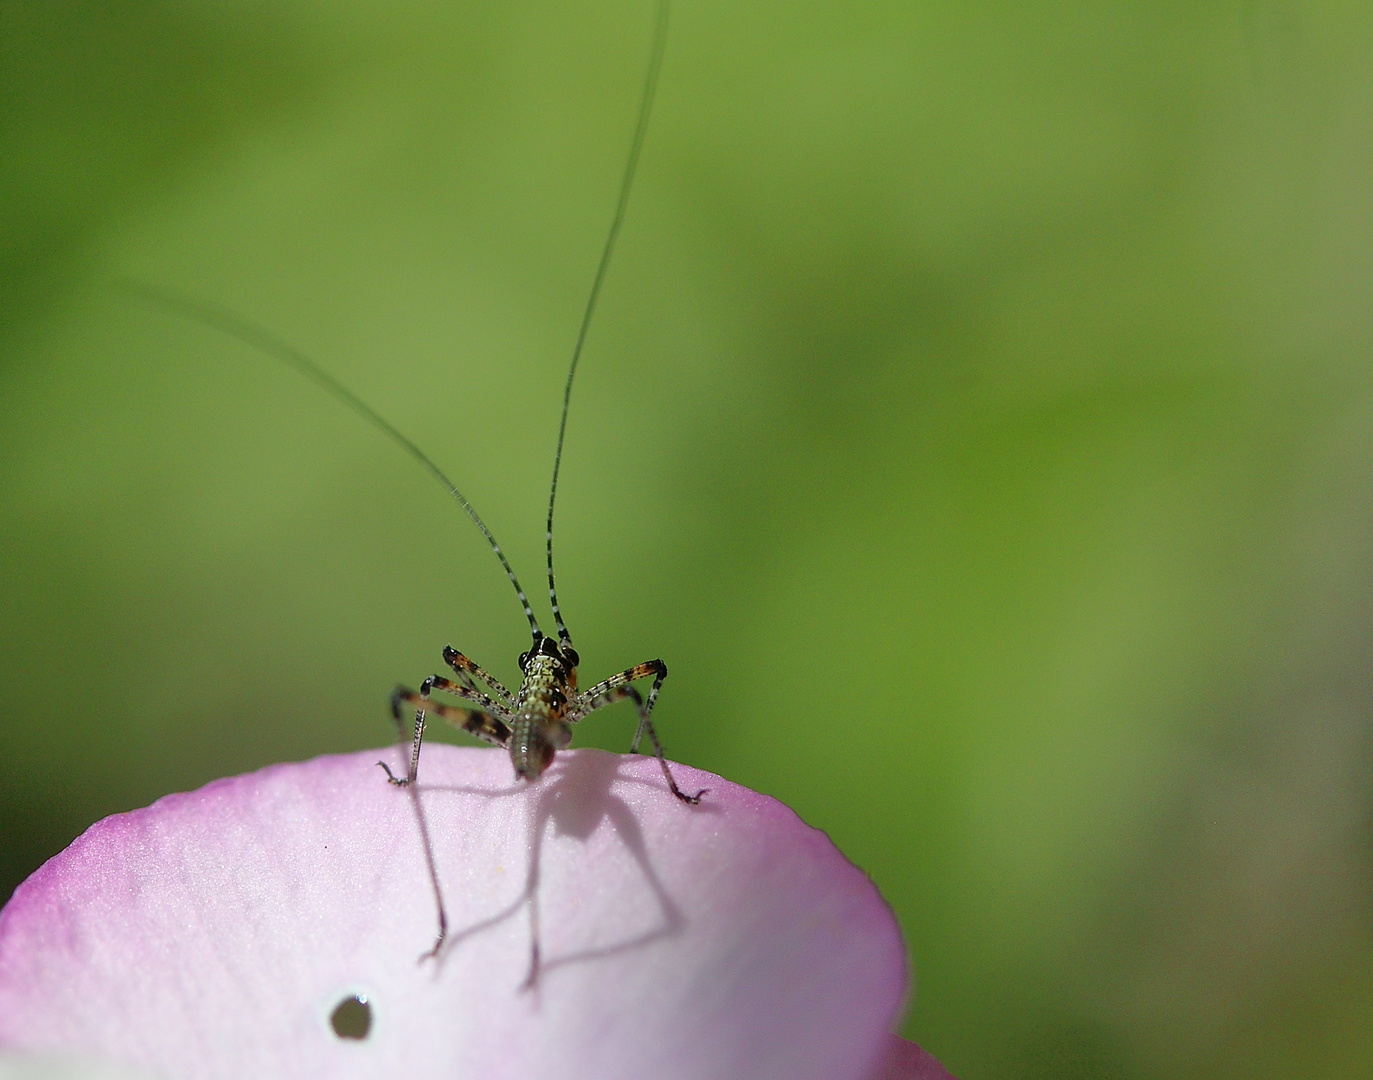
(978, 420)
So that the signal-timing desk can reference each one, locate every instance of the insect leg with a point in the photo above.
(484, 726)
(656, 668)
(467, 669)
(458, 716)
(447, 686)
(595, 699)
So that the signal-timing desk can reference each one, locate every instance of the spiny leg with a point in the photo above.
(492, 729)
(458, 716)
(645, 725)
(467, 669)
(447, 686)
(592, 700)
(413, 771)
(656, 668)
(484, 726)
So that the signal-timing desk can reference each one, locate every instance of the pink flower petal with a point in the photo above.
(214, 933)
(52, 1067)
(905, 1060)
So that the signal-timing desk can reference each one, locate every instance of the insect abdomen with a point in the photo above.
(539, 729)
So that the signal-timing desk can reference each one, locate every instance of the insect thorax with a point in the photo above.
(540, 729)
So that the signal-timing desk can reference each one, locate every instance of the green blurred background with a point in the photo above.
(978, 419)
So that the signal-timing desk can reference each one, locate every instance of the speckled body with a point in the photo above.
(540, 726)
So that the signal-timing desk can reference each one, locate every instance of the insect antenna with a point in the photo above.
(236, 326)
(250, 333)
(655, 65)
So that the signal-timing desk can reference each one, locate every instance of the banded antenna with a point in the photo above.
(236, 326)
(655, 65)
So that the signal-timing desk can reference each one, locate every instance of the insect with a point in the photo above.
(535, 722)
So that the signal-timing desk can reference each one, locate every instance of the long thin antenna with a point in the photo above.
(655, 65)
(250, 333)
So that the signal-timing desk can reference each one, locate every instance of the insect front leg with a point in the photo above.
(489, 723)
(617, 688)
(467, 669)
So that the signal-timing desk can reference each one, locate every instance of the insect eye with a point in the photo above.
(524, 660)
(570, 655)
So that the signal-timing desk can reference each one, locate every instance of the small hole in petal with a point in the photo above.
(352, 1017)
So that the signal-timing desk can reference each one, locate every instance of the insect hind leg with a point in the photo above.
(656, 668)
(617, 688)
(487, 723)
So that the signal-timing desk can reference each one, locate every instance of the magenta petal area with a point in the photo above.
(904, 1060)
(272, 925)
